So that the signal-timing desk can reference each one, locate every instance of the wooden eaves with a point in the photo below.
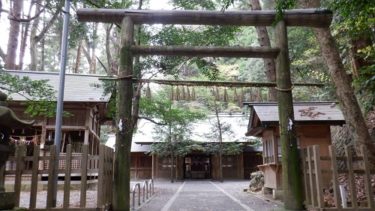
(296, 17)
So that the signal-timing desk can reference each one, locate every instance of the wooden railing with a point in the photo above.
(345, 190)
(100, 165)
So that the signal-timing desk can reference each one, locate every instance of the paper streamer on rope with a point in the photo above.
(235, 95)
(183, 93)
(177, 93)
(225, 97)
(217, 94)
(148, 91)
(172, 93)
(241, 98)
(188, 97)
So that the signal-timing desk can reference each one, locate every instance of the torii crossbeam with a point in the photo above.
(297, 17)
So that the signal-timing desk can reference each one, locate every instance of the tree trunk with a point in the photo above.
(36, 38)
(25, 34)
(264, 41)
(43, 55)
(220, 142)
(111, 67)
(93, 49)
(33, 43)
(14, 30)
(344, 91)
(78, 58)
(172, 167)
(124, 134)
(358, 61)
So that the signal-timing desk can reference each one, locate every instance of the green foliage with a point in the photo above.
(162, 109)
(192, 36)
(354, 17)
(180, 148)
(202, 4)
(282, 5)
(39, 94)
(229, 148)
(365, 83)
(174, 125)
(354, 22)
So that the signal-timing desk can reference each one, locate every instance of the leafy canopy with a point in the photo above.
(39, 94)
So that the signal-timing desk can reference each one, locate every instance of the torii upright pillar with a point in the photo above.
(291, 176)
(121, 196)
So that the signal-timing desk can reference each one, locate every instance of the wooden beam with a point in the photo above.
(297, 17)
(220, 83)
(207, 51)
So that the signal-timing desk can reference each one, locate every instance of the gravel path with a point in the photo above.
(74, 199)
(193, 195)
(204, 195)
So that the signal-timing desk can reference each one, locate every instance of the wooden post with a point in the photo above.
(34, 177)
(318, 176)
(124, 133)
(20, 153)
(311, 177)
(352, 188)
(68, 170)
(85, 152)
(101, 176)
(303, 154)
(51, 200)
(367, 179)
(153, 166)
(292, 181)
(336, 193)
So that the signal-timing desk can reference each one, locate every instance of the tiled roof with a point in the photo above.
(78, 88)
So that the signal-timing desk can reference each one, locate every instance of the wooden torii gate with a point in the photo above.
(292, 182)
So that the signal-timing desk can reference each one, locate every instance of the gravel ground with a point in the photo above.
(74, 199)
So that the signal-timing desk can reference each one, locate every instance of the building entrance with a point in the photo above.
(197, 166)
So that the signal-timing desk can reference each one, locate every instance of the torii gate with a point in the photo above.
(292, 182)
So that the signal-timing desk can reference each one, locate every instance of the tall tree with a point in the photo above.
(264, 40)
(14, 31)
(173, 127)
(344, 91)
(36, 37)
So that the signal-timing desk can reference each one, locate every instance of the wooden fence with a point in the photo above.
(30, 166)
(343, 185)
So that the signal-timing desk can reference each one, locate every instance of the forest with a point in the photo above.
(340, 60)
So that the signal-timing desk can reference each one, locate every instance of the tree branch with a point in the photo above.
(12, 91)
(151, 120)
(50, 23)
(2, 54)
(101, 63)
(26, 20)
(86, 53)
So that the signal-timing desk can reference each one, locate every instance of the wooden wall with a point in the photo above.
(307, 135)
(81, 126)
(141, 166)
